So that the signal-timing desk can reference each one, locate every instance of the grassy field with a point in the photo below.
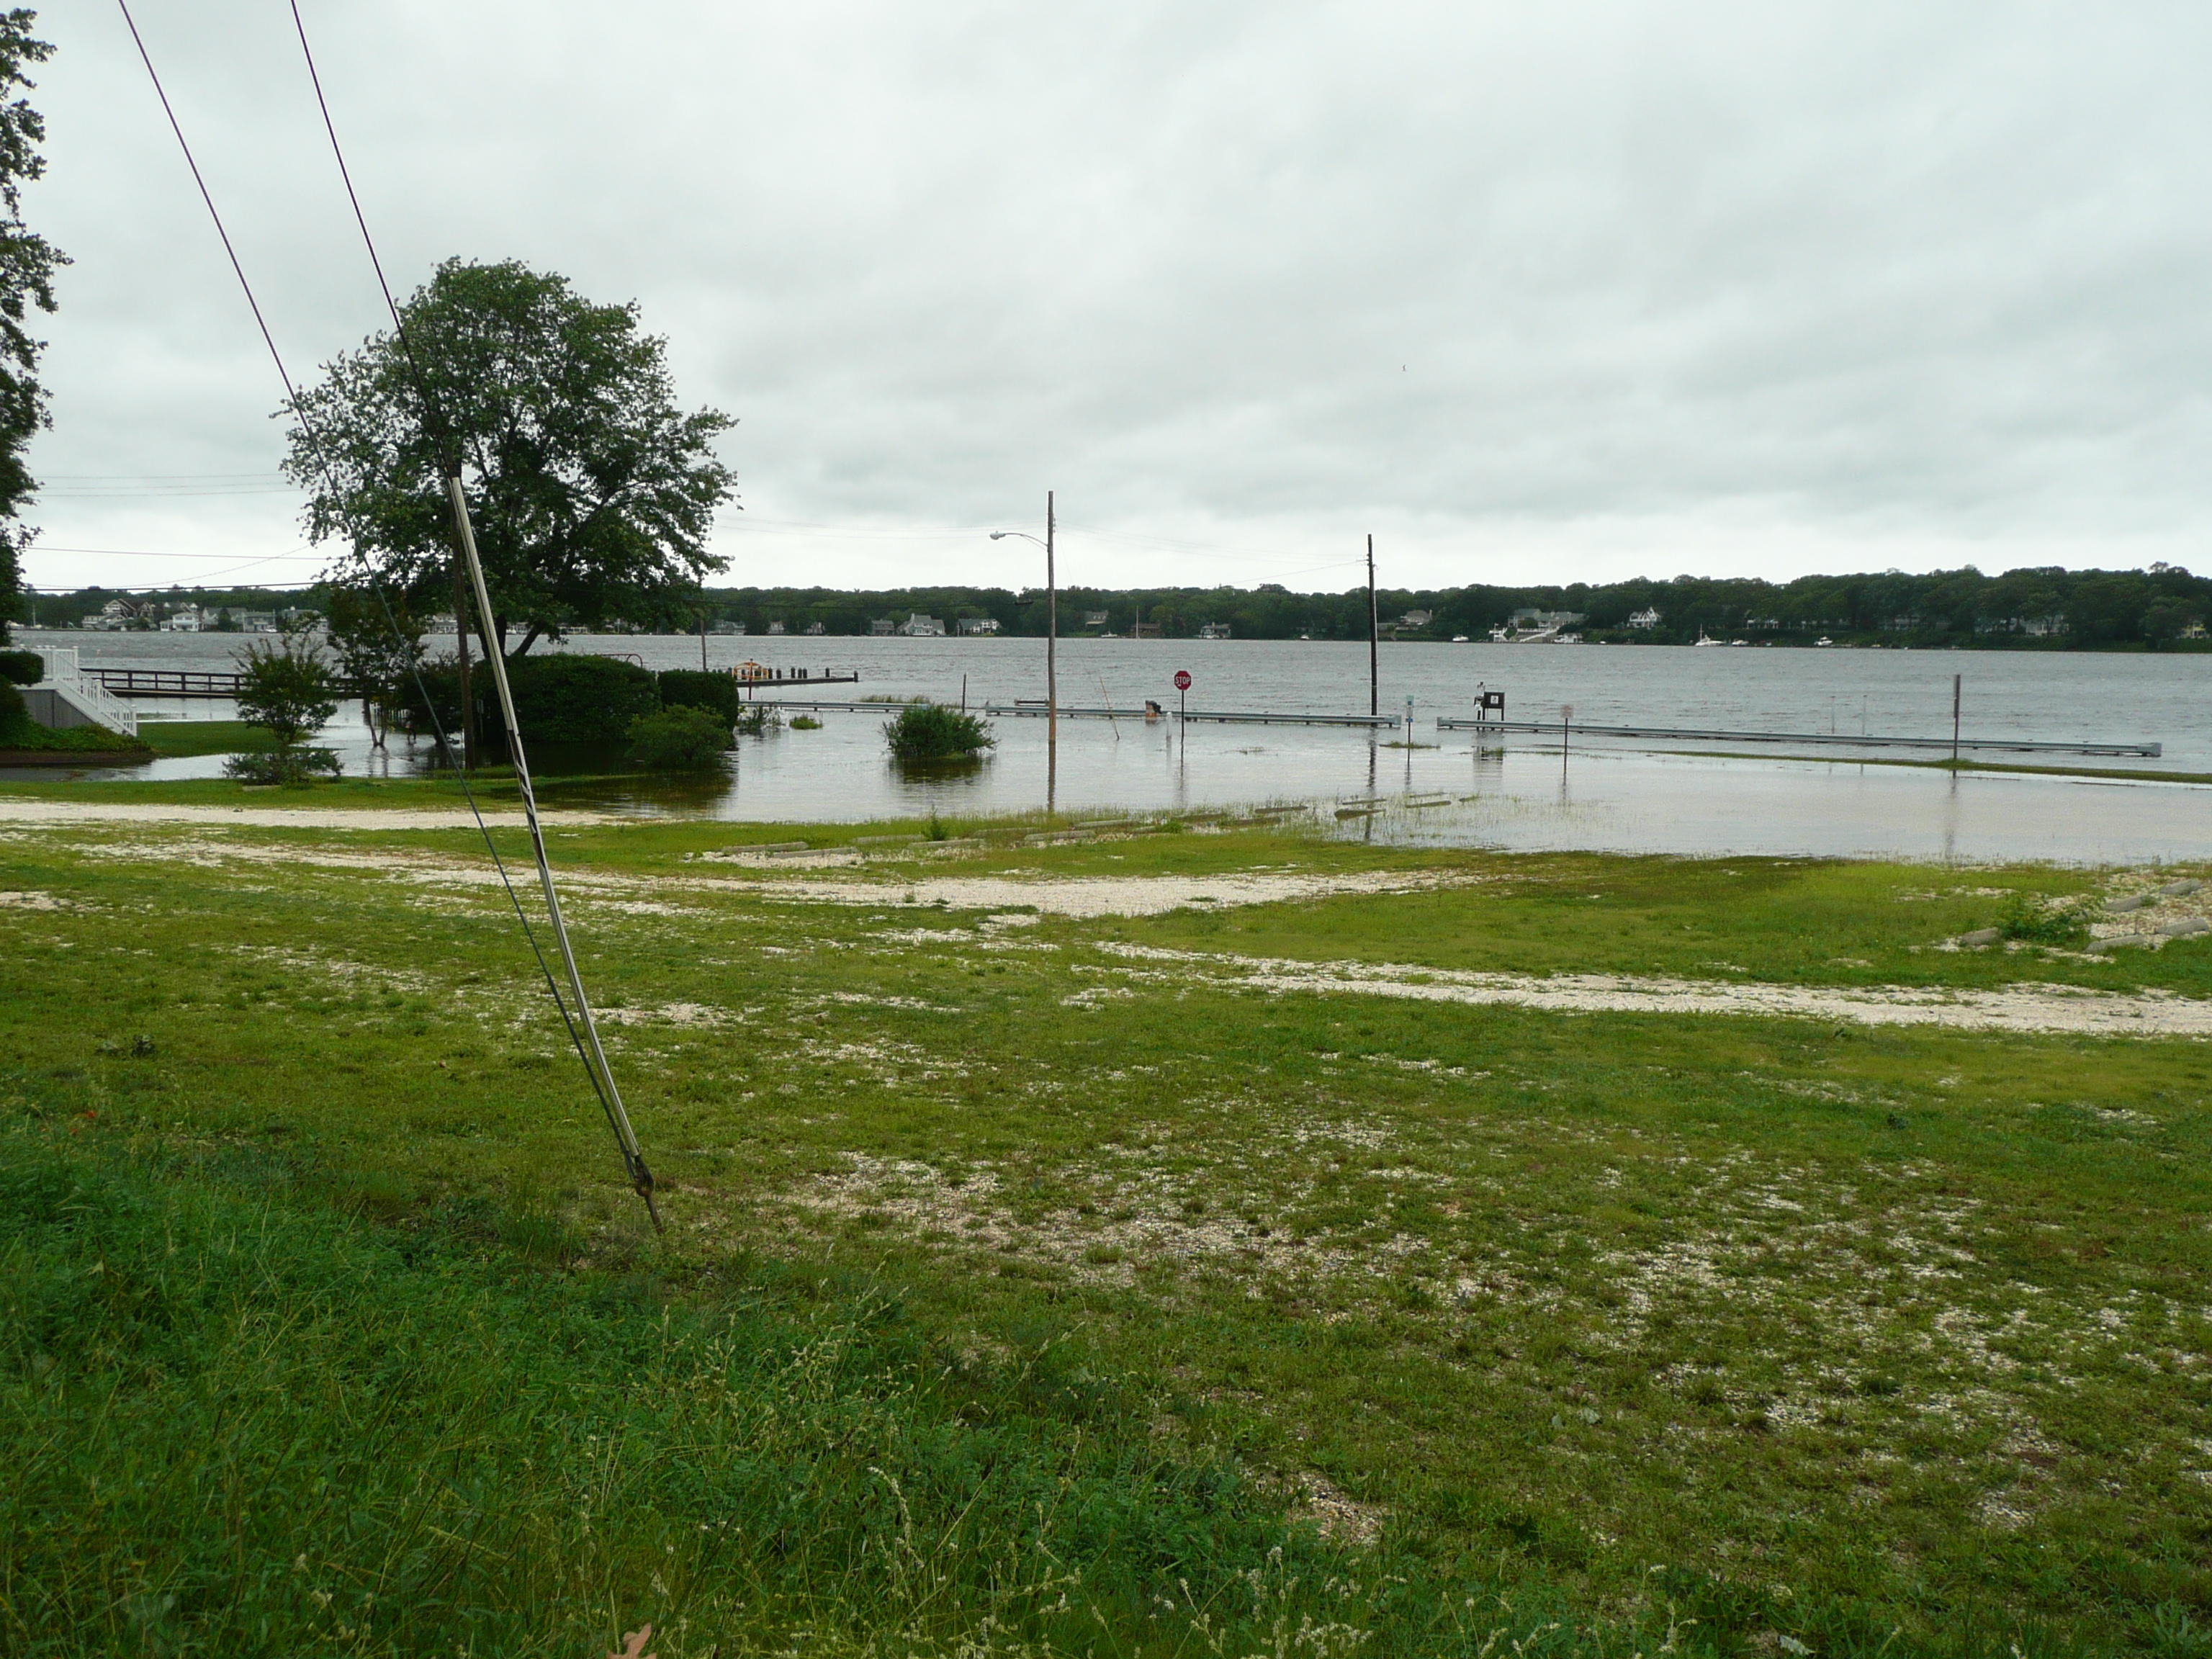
(173, 739)
(1070, 1274)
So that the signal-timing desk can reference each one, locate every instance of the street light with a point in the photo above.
(1051, 650)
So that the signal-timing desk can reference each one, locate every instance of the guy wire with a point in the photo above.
(634, 1162)
(595, 1060)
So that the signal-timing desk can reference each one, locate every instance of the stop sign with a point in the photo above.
(1182, 679)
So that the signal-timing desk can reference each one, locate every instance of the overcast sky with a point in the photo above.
(1532, 292)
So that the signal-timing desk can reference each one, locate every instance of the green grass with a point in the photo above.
(349, 1437)
(1883, 1340)
(173, 739)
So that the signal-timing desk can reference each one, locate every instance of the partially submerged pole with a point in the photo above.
(1957, 682)
(1374, 636)
(1051, 662)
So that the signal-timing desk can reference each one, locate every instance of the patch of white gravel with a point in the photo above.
(2063, 1008)
(271, 818)
(1111, 895)
(34, 901)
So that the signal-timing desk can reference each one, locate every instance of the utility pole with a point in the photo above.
(461, 649)
(1958, 682)
(1374, 636)
(1051, 660)
(703, 639)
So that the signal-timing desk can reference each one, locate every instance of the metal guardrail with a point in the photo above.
(1028, 709)
(1825, 739)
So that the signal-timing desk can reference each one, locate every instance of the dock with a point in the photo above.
(773, 677)
(164, 681)
(1820, 740)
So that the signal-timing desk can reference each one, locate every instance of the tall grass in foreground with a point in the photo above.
(236, 1424)
(236, 1421)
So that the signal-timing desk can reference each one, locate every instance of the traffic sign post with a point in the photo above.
(1182, 694)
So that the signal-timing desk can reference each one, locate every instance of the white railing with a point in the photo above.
(91, 697)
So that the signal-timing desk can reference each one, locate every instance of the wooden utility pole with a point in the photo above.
(461, 650)
(1374, 637)
(1051, 660)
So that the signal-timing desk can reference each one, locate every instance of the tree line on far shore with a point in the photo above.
(2048, 608)
(2162, 608)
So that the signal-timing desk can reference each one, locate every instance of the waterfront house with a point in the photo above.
(1528, 619)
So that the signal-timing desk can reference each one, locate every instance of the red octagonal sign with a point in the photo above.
(1182, 679)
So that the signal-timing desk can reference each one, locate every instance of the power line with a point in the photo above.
(616, 1117)
(595, 1064)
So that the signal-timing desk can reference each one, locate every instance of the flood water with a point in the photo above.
(1607, 797)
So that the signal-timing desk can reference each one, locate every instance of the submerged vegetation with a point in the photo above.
(680, 739)
(935, 732)
(1059, 1231)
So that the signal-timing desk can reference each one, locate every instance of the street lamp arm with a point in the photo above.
(1001, 535)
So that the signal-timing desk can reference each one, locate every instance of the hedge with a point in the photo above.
(559, 699)
(693, 688)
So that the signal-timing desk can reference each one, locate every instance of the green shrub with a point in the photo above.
(288, 763)
(77, 740)
(931, 732)
(804, 723)
(22, 667)
(692, 687)
(2038, 921)
(679, 739)
(19, 731)
(558, 699)
(286, 688)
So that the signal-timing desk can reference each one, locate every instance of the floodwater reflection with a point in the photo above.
(1515, 795)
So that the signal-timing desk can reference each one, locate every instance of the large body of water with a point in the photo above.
(1605, 796)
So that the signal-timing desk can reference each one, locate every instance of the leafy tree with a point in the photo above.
(2166, 619)
(287, 689)
(378, 649)
(592, 493)
(27, 264)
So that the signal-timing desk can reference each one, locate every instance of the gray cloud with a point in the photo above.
(1573, 290)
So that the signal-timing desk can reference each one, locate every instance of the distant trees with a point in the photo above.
(2043, 607)
(2039, 608)
(592, 493)
(27, 264)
